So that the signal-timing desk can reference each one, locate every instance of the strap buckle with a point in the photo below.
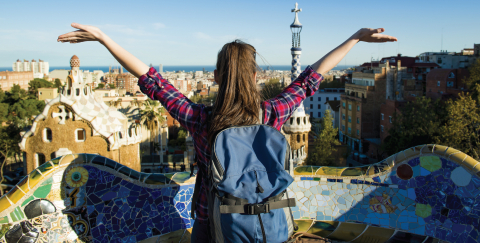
(257, 208)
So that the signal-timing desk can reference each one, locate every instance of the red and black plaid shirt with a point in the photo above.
(193, 116)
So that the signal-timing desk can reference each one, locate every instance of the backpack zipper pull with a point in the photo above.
(260, 189)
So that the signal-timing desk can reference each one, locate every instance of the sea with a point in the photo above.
(191, 68)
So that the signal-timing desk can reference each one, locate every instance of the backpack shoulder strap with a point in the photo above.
(261, 115)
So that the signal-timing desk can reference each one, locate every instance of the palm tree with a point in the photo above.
(151, 117)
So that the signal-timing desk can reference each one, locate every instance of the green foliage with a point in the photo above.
(101, 86)
(332, 84)
(112, 86)
(57, 84)
(37, 83)
(419, 123)
(180, 140)
(272, 88)
(206, 100)
(473, 81)
(321, 154)
(152, 118)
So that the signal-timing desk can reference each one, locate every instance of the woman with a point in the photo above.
(238, 101)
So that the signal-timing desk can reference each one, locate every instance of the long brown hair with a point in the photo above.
(238, 100)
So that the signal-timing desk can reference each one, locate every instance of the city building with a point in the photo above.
(77, 122)
(40, 69)
(315, 105)
(452, 60)
(122, 80)
(334, 107)
(21, 78)
(446, 83)
(47, 93)
(360, 107)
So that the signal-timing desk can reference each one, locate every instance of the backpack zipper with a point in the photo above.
(259, 188)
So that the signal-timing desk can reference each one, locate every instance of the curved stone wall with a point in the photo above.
(423, 194)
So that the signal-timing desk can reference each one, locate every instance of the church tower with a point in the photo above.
(298, 126)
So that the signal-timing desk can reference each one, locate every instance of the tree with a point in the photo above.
(112, 86)
(101, 86)
(420, 122)
(321, 154)
(462, 129)
(272, 88)
(152, 118)
(473, 81)
(37, 83)
(57, 84)
(9, 138)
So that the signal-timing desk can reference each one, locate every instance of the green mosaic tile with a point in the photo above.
(4, 220)
(34, 178)
(56, 161)
(331, 171)
(43, 191)
(316, 179)
(28, 200)
(355, 171)
(45, 168)
(181, 177)
(4, 230)
(323, 228)
(17, 214)
(431, 163)
(47, 181)
(303, 170)
(423, 210)
(303, 225)
(156, 179)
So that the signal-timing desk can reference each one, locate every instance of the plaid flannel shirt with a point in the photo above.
(193, 117)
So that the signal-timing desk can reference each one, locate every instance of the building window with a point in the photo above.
(319, 98)
(343, 116)
(390, 119)
(298, 138)
(349, 107)
(327, 99)
(47, 135)
(311, 106)
(349, 130)
(304, 137)
(381, 128)
(438, 83)
(358, 120)
(80, 135)
(343, 128)
(343, 104)
(358, 132)
(349, 118)
(381, 116)
(334, 98)
(319, 106)
(40, 159)
(311, 98)
(77, 92)
(358, 108)
(319, 114)
(311, 114)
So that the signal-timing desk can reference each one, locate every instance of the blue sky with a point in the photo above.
(191, 32)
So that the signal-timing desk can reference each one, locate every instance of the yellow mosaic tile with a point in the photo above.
(409, 153)
(23, 184)
(303, 170)
(470, 162)
(34, 178)
(370, 171)
(304, 224)
(450, 151)
(440, 149)
(4, 204)
(375, 234)
(400, 157)
(56, 161)
(15, 195)
(187, 236)
(347, 231)
(427, 149)
(476, 169)
(330, 171)
(355, 171)
(458, 157)
(67, 159)
(419, 147)
(390, 161)
(174, 236)
(323, 228)
(46, 168)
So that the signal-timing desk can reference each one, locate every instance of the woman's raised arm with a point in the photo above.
(331, 60)
(91, 33)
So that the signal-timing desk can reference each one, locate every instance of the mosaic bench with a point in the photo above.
(423, 194)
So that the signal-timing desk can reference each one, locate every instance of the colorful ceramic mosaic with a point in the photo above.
(423, 194)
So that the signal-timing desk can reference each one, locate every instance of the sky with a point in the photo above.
(191, 32)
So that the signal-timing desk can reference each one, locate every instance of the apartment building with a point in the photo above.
(315, 104)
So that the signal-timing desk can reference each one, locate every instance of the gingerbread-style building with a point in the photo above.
(78, 122)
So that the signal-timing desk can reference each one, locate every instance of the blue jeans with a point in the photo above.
(200, 233)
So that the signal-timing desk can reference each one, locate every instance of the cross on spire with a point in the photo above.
(296, 10)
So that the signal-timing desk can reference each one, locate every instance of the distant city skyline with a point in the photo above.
(191, 33)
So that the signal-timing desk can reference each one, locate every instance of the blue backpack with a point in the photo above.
(248, 179)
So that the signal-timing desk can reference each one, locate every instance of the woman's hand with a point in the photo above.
(372, 35)
(85, 33)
